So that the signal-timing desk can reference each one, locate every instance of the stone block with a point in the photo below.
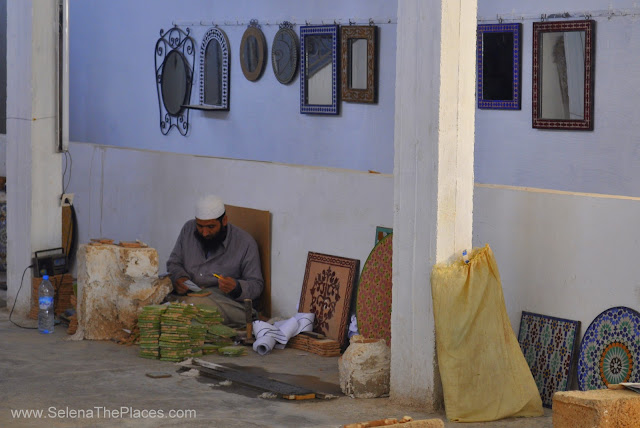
(113, 284)
(365, 368)
(603, 408)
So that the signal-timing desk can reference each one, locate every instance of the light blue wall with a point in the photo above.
(113, 98)
(606, 160)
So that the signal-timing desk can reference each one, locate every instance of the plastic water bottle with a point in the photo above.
(465, 256)
(45, 301)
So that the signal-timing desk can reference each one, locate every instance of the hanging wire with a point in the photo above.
(277, 22)
(608, 13)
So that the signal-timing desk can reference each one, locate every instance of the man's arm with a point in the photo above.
(175, 265)
(250, 284)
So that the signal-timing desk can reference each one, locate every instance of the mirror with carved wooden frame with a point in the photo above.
(498, 62)
(253, 51)
(319, 69)
(358, 63)
(563, 63)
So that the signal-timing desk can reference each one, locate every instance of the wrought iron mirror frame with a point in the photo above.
(515, 102)
(315, 30)
(347, 34)
(285, 31)
(179, 41)
(253, 30)
(214, 34)
(585, 124)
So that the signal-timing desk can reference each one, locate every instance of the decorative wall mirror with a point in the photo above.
(358, 66)
(563, 74)
(214, 71)
(319, 69)
(174, 57)
(284, 53)
(253, 51)
(498, 54)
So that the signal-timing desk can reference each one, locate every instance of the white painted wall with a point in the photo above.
(564, 255)
(433, 173)
(33, 167)
(127, 194)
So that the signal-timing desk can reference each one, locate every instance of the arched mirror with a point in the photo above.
(562, 96)
(253, 51)
(284, 53)
(174, 57)
(214, 71)
(319, 69)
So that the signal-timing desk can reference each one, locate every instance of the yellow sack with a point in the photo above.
(484, 374)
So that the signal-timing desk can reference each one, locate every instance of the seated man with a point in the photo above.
(219, 257)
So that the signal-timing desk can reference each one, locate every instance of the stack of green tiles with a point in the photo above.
(210, 348)
(208, 315)
(232, 351)
(175, 341)
(197, 332)
(220, 335)
(149, 325)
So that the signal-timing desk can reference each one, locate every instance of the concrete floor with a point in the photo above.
(49, 373)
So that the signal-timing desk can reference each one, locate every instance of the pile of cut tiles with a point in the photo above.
(197, 332)
(178, 331)
(218, 336)
(208, 315)
(175, 341)
(232, 351)
(149, 325)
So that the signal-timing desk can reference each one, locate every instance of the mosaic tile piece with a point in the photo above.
(547, 344)
(610, 349)
(327, 291)
(381, 232)
(373, 307)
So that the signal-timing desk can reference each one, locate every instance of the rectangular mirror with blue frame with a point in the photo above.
(498, 57)
(319, 69)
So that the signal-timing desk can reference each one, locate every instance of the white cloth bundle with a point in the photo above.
(277, 335)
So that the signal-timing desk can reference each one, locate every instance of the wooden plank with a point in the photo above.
(258, 224)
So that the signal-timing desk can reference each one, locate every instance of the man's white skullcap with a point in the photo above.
(209, 207)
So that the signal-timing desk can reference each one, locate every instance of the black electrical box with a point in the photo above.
(50, 262)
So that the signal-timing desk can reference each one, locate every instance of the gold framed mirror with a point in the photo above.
(358, 65)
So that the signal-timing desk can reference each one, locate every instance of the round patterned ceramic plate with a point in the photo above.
(610, 349)
(373, 307)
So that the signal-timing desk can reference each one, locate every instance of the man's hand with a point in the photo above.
(179, 286)
(226, 284)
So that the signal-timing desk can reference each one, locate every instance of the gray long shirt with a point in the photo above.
(237, 258)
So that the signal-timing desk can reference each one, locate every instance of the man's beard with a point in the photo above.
(212, 242)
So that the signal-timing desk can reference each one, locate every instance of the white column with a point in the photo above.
(34, 169)
(433, 178)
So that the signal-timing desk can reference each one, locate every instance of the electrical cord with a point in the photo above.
(67, 153)
(16, 299)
